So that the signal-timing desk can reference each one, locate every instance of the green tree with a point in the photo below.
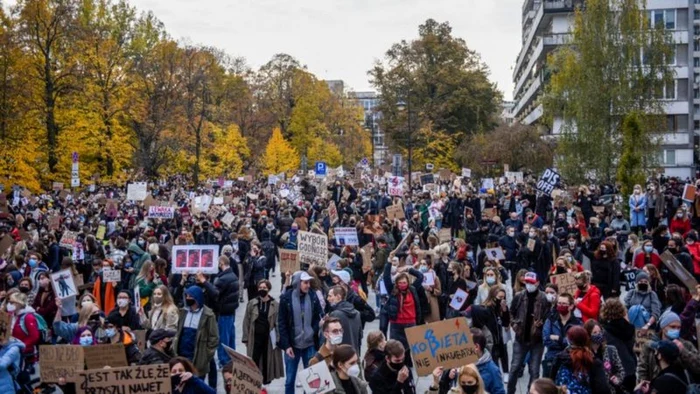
(630, 171)
(617, 64)
(443, 83)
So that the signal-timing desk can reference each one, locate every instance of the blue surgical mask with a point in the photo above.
(648, 248)
(490, 280)
(32, 263)
(110, 332)
(423, 268)
(85, 341)
(673, 334)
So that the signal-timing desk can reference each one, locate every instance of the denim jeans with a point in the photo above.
(292, 364)
(227, 336)
(520, 351)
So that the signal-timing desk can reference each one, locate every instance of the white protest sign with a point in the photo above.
(137, 191)
(395, 186)
(514, 176)
(466, 172)
(161, 212)
(313, 248)
(346, 236)
(111, 275)
(494, 254)
(458, 300)
(317, 379)
(428, 279)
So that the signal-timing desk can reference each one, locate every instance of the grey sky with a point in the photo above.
(340, 39)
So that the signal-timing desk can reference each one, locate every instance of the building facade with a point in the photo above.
(547, 24)
(369, 101)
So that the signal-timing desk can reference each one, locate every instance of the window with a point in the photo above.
(696, 62)
(696, 14)
(696, 93)
(667, 92)
(696, 45)
(665, 18)
(667, 157)
(671, 123)
(696, 124)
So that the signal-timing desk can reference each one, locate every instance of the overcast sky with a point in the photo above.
(341, 39)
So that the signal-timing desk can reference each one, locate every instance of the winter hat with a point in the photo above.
(638, 316)
(640, 276)
(342, 275)
(668, 318)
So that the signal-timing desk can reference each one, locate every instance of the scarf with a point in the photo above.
(303, 332)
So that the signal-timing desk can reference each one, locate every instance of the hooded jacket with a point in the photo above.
(285, 319)
(493, 381)
(352, 325)
(207, 339)
(138, 262)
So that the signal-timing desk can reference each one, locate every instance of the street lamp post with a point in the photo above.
(404, 106)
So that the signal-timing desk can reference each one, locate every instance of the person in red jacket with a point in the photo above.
(586, 298)
(25, 327)
(680, 223)
(647, 255)
(691, 242)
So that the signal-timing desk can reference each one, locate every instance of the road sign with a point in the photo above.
(429, 167)
(320, 168)
(74, 157)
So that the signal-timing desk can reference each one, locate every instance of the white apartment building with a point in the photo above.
(546, 24)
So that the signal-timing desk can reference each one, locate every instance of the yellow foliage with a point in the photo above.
(321, 150)
(436, 147)
(280, 156)
(19, 162)
(225, 155)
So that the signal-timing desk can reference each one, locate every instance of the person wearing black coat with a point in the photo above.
(255, 270)
(472, 231)
(596, 378)
(206, 237)
(620, 334)
(453, 214)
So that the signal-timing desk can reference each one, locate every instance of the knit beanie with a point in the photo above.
(668, 318)
(641, 275)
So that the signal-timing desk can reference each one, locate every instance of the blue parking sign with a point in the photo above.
(321, 168)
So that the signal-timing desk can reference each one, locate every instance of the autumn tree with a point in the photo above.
(47, 32)
(442, 82)
(617, 64)
(630, 170)
(280, 156)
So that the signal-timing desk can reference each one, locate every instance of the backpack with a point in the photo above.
(44, 333)
(576, 383)
(690, 388)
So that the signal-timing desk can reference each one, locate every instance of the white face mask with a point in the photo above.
(122, 303)
(551, 297)
(531, 288)
(354, 370)
(336, 339)
(11, 307)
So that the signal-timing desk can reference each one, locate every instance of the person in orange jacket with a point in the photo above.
(586, 298)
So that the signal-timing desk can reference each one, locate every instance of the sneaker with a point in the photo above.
(505, 378)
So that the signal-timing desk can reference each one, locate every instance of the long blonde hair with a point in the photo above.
(167, 297)
(495, 272)
(471, 371)
(145, 270)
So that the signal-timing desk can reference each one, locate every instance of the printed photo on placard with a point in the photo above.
(63, 284)
(195, 258)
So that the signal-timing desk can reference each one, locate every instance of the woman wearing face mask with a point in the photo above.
(454, 281)
(124, 313)
(646, 256)
(605, 269)
(184, 380)
(163, 313)
(680, 223)
(147, 281)
(101, 290)
(562, 266)
(27, 288)
(469, 381)
(403, 306)
(631, 248)
(608, 355)
(638, 205)
(669, 329)
(432, 292)
(375, 352)
(25, 326)
(577, 368)
(620, 226)
(90, 315)
(644, 297)
(45, 299)
(346, 371)
(586, 297)
(492, 277)
(260, 319)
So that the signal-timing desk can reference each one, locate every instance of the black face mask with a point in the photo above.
(24, 289)
(190, 301)
(175, 380)
(643, 286)
(262, 293)
(561, 270)
(469, 388)
(396, 366)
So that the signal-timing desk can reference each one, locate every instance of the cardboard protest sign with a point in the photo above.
(531, 244)
(68, 239)
(247, 378)
(5, 327)
(565, 282)
(313, 248)
(395, 212)
(346, 236)
(151, 379)
(161, 212)
(333, 213)
(689, 192)
(100, 356)
(367, 256)
(195, 258)
(458, 299)
(466, 172)
(149, 201)
(548, 181)
(495, 254)
(111, 275)
(228, 219)
(514, 176)
(54, 222)
(5, 244)
(677, 269)
(444, 235)
(446, 343)
(373, 224)
(57, 186)
(317, 379)
(60, 361)
(63, 284)
(289, 260)
(137, 191)
(140, 339)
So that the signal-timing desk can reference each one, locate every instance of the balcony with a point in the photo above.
(553, 6)
(557, 39)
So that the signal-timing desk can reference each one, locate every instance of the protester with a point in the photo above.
(184, 380)
(648, 367)
(260, 319)
(161, 349)
(375, 353)
(577, 368)
(347, 315)
(672, 377)
(163, 314)
(393, 374)
(555, 328)
(346, 371)
(225, 294)
(645, 299)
